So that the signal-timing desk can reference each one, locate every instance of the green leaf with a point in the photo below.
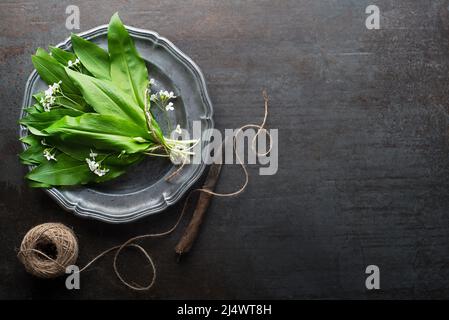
(51, 71)
(103, 132)
(38, 96)
(94, 58)
(68, 171)
(72, 102)
(35, 184)
(36, 108)
(40, 52)
(67, 101)
(65, 171)
(62, 56)
(123, 160)
(81, 152)
(36, 122)
(31, 140)
(34, 153)
(128, 69)
(107, 99)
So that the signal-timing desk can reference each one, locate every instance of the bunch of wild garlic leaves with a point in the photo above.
(95, 119)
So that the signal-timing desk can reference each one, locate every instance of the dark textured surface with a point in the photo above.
(363, 165)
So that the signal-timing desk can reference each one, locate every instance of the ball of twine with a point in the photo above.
(47, 249)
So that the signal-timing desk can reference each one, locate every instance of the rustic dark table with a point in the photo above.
(363, 151)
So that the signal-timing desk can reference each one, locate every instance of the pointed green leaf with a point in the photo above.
(31, 140)
(94, 58)
(36, 108)
(107, 99)
(36, 122)
(64, 171)
(33, 154)
(35, 184)
(128, 69)
(62, 56)
(81, 152)
(68, 171)
(103, 132)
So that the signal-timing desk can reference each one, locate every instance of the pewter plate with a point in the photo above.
(143, 190)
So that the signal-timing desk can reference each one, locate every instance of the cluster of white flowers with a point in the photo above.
(48, 155)
(169, 107)
(94, 166)
(49, 97)
(163, 96)
(73, 64)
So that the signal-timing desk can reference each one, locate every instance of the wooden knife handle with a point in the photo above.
(191, 232)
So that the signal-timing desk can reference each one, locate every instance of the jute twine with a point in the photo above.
(42, 265)
(47, 250)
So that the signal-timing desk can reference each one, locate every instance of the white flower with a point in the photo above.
(55, 86)
(93, 165)
(101, 172)
(162, 94)
(47, 107)
(169, 107)
(49, 92)
(92, 154)
(48, 155)
(151, 82)
(178, 129)
(74, 63)
(49, 96)
(166, 95)
(153, 98)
